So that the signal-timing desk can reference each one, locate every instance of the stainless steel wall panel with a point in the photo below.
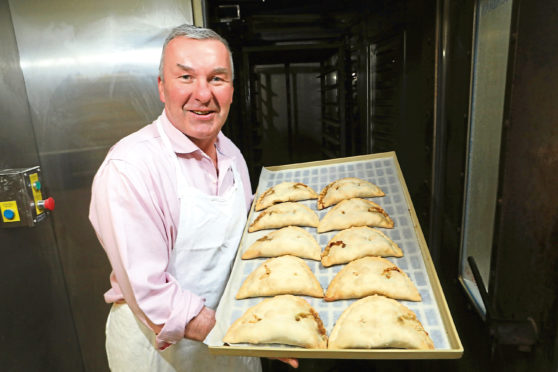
(88, 67)
(16, 132)
(90, 71)
(38, 332)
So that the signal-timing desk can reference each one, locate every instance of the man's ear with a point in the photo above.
(161, 87)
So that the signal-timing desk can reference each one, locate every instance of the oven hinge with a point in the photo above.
(521, 333)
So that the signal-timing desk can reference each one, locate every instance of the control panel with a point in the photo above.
(22, 197)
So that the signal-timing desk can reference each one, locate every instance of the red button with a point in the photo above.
(49, 204)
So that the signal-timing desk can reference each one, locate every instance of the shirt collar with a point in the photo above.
(180, 143)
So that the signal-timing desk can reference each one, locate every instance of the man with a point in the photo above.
(169, 204)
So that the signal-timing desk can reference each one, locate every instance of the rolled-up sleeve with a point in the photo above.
(128, 212)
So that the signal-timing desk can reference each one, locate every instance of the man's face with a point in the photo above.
(197, 87)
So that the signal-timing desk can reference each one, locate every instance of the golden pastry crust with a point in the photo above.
(285, 192)
(281, 275)
(355, 212)
(371, 275)
(358, 242)
(283, 319)
(379, 322)
(284, 214)
(347, 188)
(291, 240)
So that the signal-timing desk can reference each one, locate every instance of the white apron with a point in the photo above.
(209, 232)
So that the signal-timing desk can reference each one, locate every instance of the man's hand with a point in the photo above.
(199, 327)
(290, 361)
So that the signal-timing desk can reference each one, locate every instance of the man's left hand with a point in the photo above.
(199, 327)
(290, 361)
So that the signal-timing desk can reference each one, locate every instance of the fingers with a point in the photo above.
(290, 361)
(199, 327)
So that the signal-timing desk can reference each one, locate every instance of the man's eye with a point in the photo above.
(186, 77)
(217, 78)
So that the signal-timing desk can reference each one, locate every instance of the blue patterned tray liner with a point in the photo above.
(381, 172)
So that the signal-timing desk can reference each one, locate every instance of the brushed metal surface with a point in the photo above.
(526, 228)
(90, 71)
(38, 332)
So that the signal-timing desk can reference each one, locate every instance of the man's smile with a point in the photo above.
(201, 112)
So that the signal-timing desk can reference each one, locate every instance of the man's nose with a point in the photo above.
(202, 91)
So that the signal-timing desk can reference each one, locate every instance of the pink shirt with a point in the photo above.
(135, 212)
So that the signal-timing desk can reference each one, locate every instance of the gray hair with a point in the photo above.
(193, 32)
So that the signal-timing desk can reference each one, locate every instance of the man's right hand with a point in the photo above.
(199, 327)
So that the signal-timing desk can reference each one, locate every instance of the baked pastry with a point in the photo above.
(355, 212)
(347, 188)
(379, 322)
(284, 192)
(281, 275)
(285, 214)
(291, 240)
(358, 242)
(371, 275)
(284, 319)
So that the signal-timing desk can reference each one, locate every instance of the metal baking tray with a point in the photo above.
(433, 312)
